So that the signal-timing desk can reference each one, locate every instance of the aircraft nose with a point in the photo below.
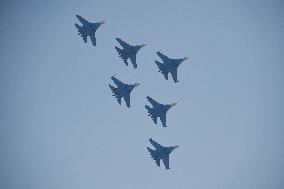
(184, 59)
(173, 104)
(103, 22)
(137, 84)
(175, 147)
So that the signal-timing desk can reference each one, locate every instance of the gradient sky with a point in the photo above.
(60, 128)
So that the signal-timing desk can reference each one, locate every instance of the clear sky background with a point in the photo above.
(60, 128)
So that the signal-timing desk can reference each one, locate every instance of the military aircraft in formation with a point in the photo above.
(88, 29)
(161, 153)
(122, 91)
(169, 65)
(128, 52)
(158, 110)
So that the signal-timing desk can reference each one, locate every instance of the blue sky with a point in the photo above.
(61, 128)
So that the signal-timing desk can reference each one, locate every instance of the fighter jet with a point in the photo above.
(169, 65)
(122, 90)
(128, 51)
(158, 110)
(88, 29)
(161, 153)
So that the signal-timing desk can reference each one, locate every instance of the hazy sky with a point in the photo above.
(60, 128)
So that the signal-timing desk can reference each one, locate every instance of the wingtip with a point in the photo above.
(149, 150)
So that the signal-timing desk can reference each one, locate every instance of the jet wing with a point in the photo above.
(166, 161)
(163, 119)
(163, 57)
(127, 99)
(82, 20)
(133, 61)
(122, 43)
(117, 82)
(152, 101)
(155, 144)
(174, 75)
(93, 39)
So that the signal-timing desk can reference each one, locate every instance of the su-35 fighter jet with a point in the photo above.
(169, 66)
(161, 153)
(122, 90)
(88, 29)
(128, 51)
(158, 110)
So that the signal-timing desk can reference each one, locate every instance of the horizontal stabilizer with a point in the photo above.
(150, 150)
(158, 63)
(77, 26)
(112, 88)
(147, 107)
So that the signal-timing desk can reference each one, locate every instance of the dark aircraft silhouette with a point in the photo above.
(169, 66)
(122, 90)
(128, 51)
(161, 153)
(88, 29)
(158, 110)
